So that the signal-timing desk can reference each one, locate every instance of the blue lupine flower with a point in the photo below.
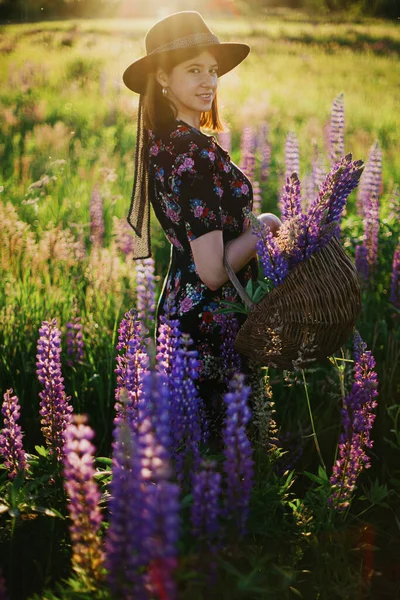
(239, 464)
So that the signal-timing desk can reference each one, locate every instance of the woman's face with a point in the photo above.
(191, 86)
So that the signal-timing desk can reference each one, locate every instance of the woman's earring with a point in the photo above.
(164, 91)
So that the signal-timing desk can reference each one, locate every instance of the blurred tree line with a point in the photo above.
(31, 10)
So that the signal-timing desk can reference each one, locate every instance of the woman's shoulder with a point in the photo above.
(182, 139)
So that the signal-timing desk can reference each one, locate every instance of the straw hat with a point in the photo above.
(180, 30)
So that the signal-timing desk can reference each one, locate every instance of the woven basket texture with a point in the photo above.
(308, 316)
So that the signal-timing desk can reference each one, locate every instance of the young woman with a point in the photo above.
(199, 196)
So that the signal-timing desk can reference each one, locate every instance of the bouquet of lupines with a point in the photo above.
(302, 234)
(307, 297)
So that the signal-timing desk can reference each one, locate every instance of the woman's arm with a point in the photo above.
(208, 252)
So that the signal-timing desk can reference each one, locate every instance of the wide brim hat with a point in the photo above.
(185, 29)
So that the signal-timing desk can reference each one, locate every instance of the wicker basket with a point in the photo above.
(307, 317)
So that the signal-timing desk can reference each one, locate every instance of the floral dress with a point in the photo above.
(195, 188)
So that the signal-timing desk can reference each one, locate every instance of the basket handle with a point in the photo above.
(235, 281)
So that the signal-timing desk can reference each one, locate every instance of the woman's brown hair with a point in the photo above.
(159, 114)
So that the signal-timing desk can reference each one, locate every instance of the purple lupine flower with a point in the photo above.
(55, 409)
(83, 498)
(247, 143)
(129, 528)
(257, 198)
(274, 264)
(231, 360)
(11, 448)
(132, 365)
(181, 366)
(75, 344)
(336, 132)
(292, 155)
(206, 510)
(371, 180)
(164, 507)
(394, 204)
(137, 363)
(123, 236)
(328, 206)
(239, 464)
(248, 165)
(96, 217)
(371, 231)
(291, 198)
(361, 261)
(162, 496)
(145, 290)
(357, 421)
(225, 140)
(264, 148)
(395, 287)
(169, 335)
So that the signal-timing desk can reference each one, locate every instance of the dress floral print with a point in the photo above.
(195, 188)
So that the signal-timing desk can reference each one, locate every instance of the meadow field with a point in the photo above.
(68, 282)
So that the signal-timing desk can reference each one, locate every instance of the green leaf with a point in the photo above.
(41, 451)
(104, 460)
(313, 477)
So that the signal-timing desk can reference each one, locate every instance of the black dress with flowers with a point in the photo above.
(195, 188)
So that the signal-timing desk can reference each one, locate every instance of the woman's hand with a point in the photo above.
(208, 252)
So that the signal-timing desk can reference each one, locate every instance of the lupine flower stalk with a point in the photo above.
(371, 231)
(129, 528)
(257, 198)
(262, 404)
(127, 331)
(75, 344)
(336, 132)
(371, 180)
(239, 464)
(162, 499)
(96, 217)
(231, 361)
(362, 265)
(123, 235)
(181, 365)
(395, 287)
(83, 500)
(145, 291)
(275, 266)
(394, 204)
(55, 409)
(357, 421)
(292, 155)
(206, 509)
(11, 448)
(328, 206)
(264, 148)
(137, 368)
(247, 143)
(291, 198)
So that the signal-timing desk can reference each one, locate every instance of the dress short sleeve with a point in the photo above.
(197, 187)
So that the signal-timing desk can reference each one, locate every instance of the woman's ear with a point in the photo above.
(161, 77)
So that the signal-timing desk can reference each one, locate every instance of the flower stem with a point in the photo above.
(312, 422)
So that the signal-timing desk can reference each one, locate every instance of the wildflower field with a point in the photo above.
(109, 487)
